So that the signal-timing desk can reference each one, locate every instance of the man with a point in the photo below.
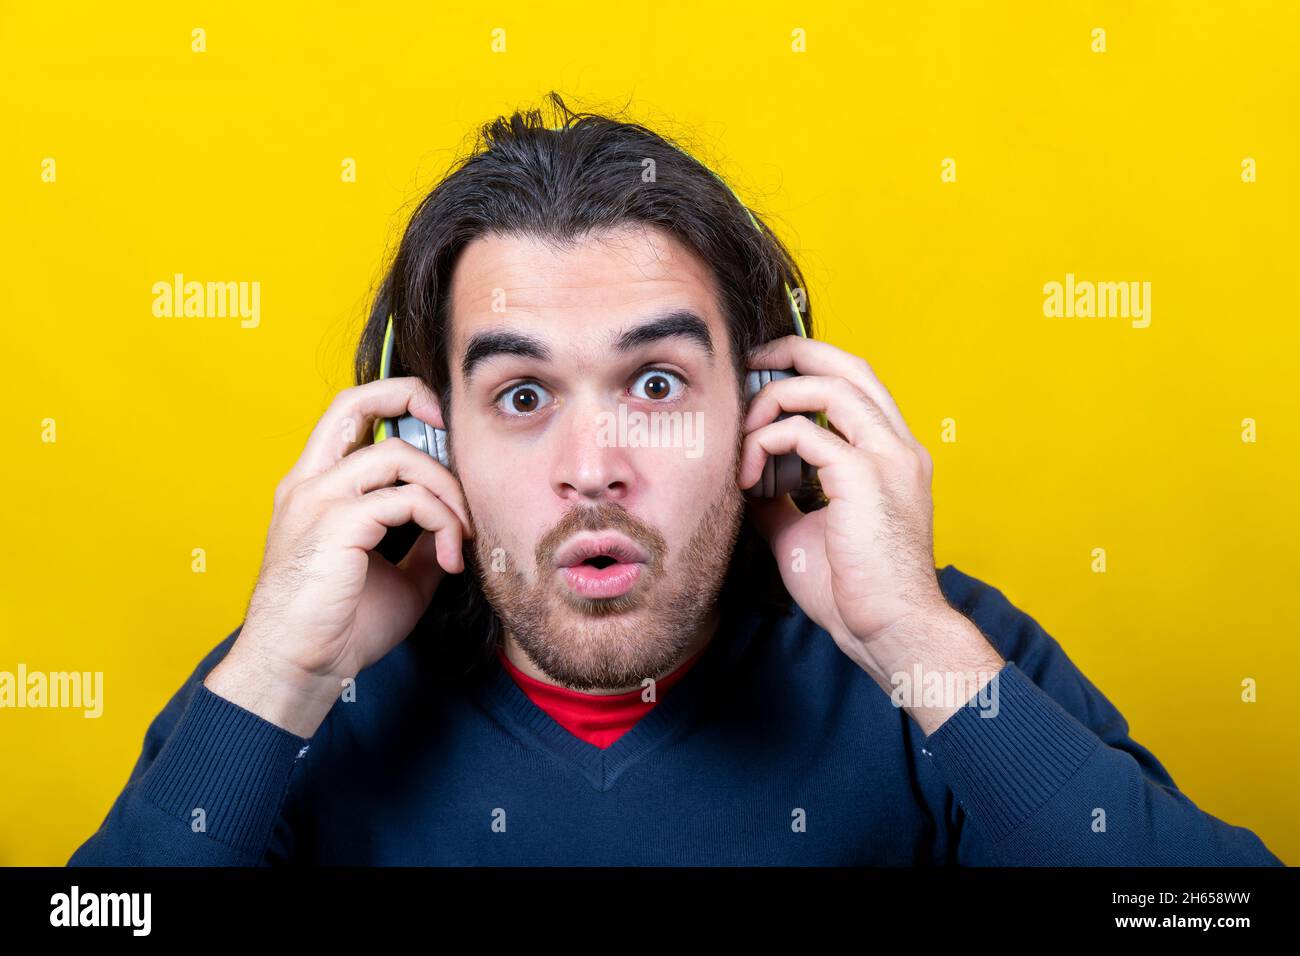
(599, 651)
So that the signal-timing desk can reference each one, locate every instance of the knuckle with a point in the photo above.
(827, 435)
(286, 497)
(403, 459)
(411, 490)
(431, 508)
(299, 501)
(391, 493)
(437, 504)
(850, 390)
(902, 457)
(916, 463)
(923, 454)
(345, 398)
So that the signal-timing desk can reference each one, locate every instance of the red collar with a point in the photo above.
(599, 719)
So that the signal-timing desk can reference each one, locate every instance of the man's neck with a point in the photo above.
(705, 633)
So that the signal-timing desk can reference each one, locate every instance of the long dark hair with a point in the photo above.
(555, 179)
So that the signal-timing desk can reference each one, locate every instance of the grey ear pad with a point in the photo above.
(430, 440)
(782, 474)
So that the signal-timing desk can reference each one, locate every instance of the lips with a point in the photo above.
(590, 548)
(601, 566)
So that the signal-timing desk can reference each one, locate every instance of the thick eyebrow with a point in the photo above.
(679, 323)
(485, 345)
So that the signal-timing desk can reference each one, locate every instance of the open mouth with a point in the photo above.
(601, 566)
(602, 576)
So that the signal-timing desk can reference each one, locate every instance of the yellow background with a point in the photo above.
(1072, 434)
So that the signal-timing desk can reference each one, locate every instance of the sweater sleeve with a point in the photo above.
(1047, 773)
(207, 789)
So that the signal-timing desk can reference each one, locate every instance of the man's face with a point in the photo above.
(556, 341)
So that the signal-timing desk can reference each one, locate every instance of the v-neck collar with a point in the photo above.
(602, 767)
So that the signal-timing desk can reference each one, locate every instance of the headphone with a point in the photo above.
(782, 474)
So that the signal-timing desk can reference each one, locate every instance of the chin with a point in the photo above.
(603, 653)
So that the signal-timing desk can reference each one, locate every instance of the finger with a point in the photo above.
(814, 444)
(377, 466)
(364, 521)
(857, 418)
(347, 424)
(815, 357)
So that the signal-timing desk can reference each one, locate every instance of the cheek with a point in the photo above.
(489, 474)
(681, 491)
(501, 503)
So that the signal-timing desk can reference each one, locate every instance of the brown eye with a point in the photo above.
(521, 400)
(657, 384)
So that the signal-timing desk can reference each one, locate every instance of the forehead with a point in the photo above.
(579, 294)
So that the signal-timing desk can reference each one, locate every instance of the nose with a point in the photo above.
(590, 462)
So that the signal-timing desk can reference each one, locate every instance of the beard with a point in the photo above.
(614, 643)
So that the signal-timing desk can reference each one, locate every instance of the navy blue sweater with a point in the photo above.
(774, 748)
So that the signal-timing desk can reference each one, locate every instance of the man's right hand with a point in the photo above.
(326, 606)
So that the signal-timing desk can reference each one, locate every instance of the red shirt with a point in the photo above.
(599, 719)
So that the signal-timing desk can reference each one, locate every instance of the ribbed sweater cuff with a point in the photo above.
(1003, 768)
(228, 762)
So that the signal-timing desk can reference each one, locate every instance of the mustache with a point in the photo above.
(603, 516)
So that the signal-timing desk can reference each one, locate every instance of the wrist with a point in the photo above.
(289, 698)
(932, 663)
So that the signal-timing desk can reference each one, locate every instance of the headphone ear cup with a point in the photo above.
(432, 441)
(788, 476)
(755, 379)
(782, 474)
(788, 469)
(778, 470)
(441, 450)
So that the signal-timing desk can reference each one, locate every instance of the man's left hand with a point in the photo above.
(867, 572)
